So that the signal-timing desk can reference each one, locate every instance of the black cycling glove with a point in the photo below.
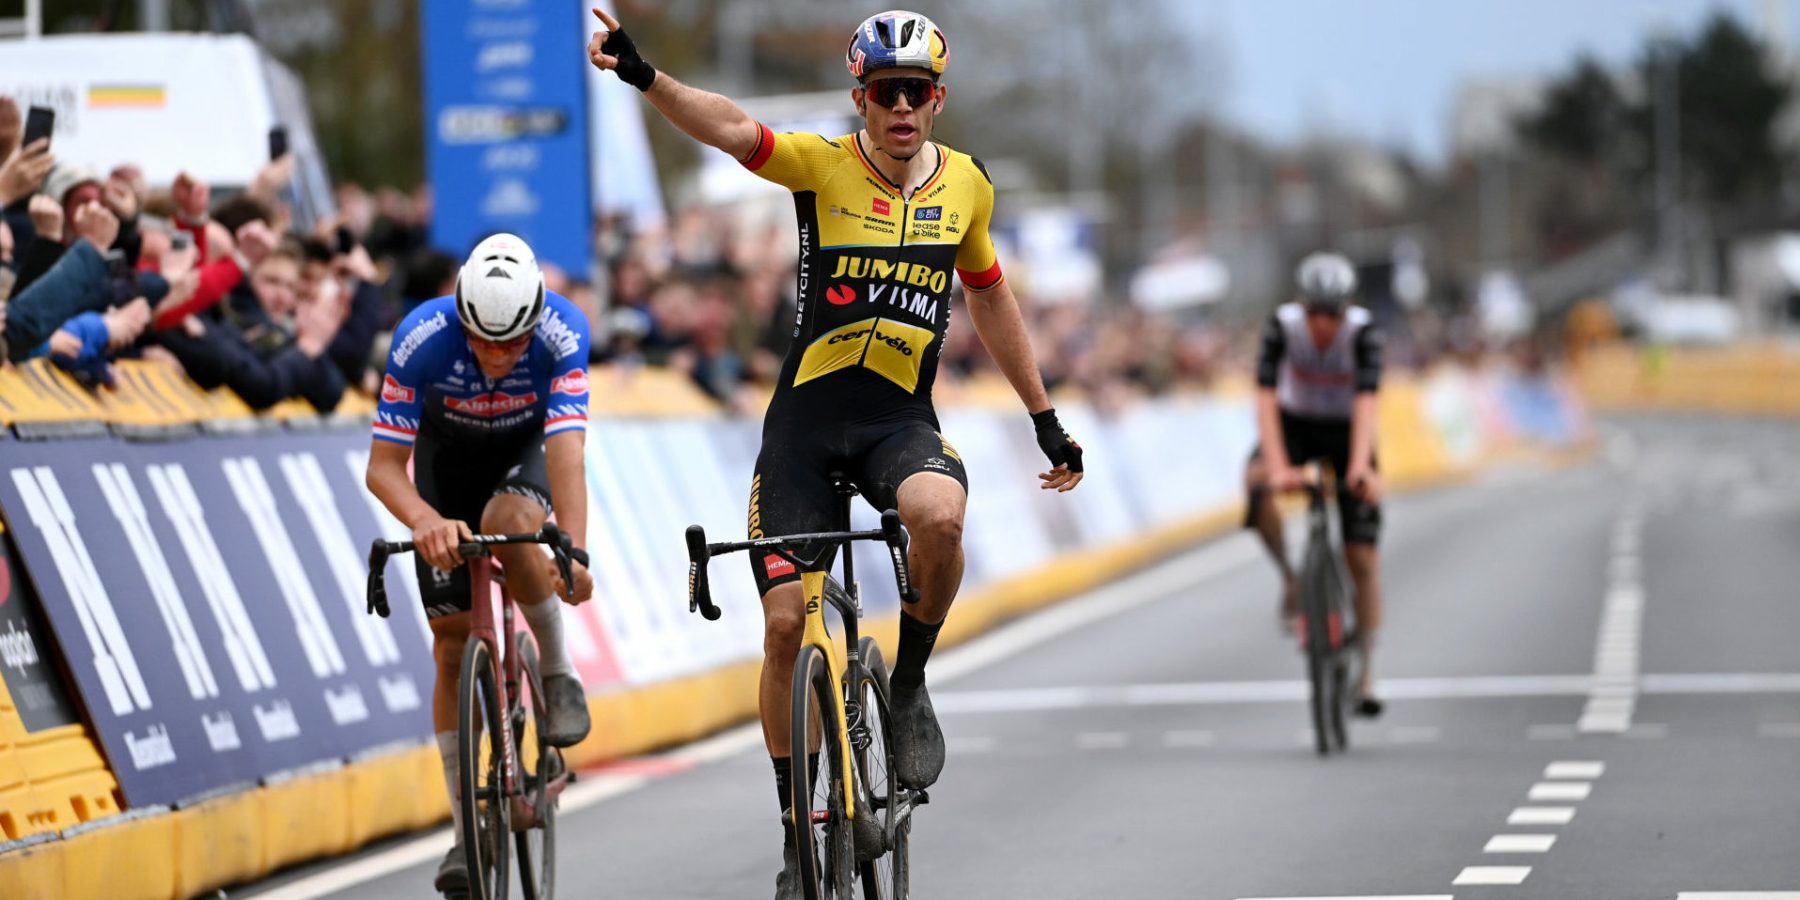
(1055, 442)
(632, 68)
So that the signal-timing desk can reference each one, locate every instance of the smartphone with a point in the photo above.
(278, 142)
(39, 122)
(346, 241)
(181, 241)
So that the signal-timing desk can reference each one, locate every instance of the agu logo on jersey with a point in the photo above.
(498, 403)
(929, 213)
(394, 392)
(575, 383)
(840, 294)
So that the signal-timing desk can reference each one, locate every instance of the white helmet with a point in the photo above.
(1326, 279)
(500, 292)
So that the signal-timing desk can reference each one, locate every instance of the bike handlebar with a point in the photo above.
(700, 553)
(559, 543)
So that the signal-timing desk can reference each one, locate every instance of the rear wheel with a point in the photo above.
(822, 838)
(538, 764)
(886, 877)
(480, 757)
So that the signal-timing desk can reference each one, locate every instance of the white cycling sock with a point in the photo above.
(447, 752)
(545, 619)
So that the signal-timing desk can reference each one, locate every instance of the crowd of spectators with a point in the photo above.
(96, 266)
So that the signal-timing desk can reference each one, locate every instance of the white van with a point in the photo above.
(201, 103)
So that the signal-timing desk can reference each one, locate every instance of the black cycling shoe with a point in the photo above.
(1368, 706)
(918, 742)
(787, 884)
(453, 874)
(566, 719)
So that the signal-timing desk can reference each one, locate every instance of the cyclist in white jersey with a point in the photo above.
(1317, 376)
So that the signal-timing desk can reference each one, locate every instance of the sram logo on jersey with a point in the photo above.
(394, 392)
(575, 383)
(487, 406)
(894, 350)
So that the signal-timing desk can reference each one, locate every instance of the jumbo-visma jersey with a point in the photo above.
(875, 274)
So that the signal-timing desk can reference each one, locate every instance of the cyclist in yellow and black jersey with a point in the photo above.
(889, 220)
(875, 273)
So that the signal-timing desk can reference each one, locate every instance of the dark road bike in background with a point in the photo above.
(1327, 618)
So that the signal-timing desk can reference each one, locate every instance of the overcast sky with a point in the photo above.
(1388, 69)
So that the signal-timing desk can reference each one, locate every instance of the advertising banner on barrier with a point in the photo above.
(506, 123)
(27, 652)
(209, 598)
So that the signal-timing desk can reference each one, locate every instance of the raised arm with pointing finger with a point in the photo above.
(711, 119)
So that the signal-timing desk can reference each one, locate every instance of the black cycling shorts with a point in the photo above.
(791, 491)
(458, 484)
(1310, 439)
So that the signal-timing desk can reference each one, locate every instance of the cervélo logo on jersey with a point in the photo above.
(487, 406)
(394, 392)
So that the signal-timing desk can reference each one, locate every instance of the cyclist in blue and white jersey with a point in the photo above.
(486, 392)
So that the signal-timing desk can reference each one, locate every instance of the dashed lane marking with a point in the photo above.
(1493, 875)
(1560, 790)
(1583, 770)
(1520, 843)
(1541, 815)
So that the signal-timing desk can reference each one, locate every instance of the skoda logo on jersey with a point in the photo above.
(840, 294)
(487, 406)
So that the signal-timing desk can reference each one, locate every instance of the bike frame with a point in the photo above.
(508, 671)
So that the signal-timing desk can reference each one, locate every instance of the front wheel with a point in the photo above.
(886, 877)
(539, 763)
(1321, 674)
(822, 838)
(481, 755)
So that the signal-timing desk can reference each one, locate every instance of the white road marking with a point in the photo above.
(1493, 875)
(1560, 790)
(1583, 769)
(1102, 740)
(1519, 843)
(1189, 739)
(1779, 730)
(1155, 583)
(1541, 815)
(1614, 692)
(1722, 683)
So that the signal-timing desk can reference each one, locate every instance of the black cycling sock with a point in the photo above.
(784, 781)
(916, 641)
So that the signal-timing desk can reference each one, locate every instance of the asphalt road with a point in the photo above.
(1593, 686)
